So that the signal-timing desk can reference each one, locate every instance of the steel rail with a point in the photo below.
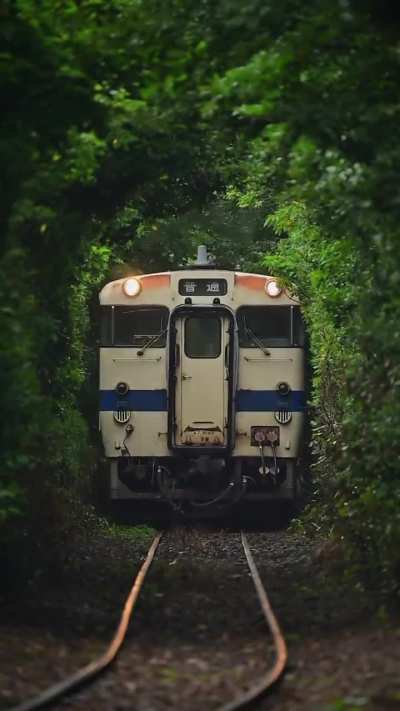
(274, 674)
(91, 670)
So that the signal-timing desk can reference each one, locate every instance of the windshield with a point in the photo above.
(270, 326)
(134, 326)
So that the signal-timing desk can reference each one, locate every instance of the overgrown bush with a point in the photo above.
(323, 165)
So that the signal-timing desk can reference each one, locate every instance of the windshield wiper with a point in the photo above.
(256, 340)
(151, 340)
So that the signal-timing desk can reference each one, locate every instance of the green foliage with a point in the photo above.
(352, 703)
(326, 179)
(136, 534)
(21, 435)
(84, 154)
(270, 132)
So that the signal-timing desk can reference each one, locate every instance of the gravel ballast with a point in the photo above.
(198, 636)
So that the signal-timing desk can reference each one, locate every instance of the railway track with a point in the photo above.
(92, 670)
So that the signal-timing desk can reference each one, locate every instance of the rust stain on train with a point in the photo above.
(250, 281)
(155, 281)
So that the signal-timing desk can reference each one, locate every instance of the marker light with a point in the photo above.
(131, 286)
(122, 388)
(272, 288)
(283, 388)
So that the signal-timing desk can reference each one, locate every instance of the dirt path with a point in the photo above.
(198, 636)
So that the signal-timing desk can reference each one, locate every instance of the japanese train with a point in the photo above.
(202, 388)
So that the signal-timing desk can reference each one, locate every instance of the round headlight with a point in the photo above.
(272, 288)
(122, 388)
(131, 286)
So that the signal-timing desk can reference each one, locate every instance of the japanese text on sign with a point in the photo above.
(202, 287)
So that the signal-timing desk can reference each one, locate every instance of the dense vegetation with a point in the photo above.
(135, 130)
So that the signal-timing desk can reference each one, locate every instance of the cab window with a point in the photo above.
(273, 326)
(134, 326)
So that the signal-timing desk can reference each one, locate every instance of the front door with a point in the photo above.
(202, 380)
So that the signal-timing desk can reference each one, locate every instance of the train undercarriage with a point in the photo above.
(204, 480)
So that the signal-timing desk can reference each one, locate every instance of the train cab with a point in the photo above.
(202, 394)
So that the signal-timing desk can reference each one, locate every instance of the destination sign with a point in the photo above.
(203, 287)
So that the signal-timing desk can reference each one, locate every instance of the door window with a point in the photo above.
(203, 336)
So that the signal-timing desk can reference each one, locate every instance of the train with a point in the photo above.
(202, 388)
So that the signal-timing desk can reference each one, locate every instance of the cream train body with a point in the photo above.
(202, 394)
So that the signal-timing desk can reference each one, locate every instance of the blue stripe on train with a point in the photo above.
(134, 400)
(246, 401)
(269, 401)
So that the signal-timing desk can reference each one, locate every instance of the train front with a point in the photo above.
(201, 387)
